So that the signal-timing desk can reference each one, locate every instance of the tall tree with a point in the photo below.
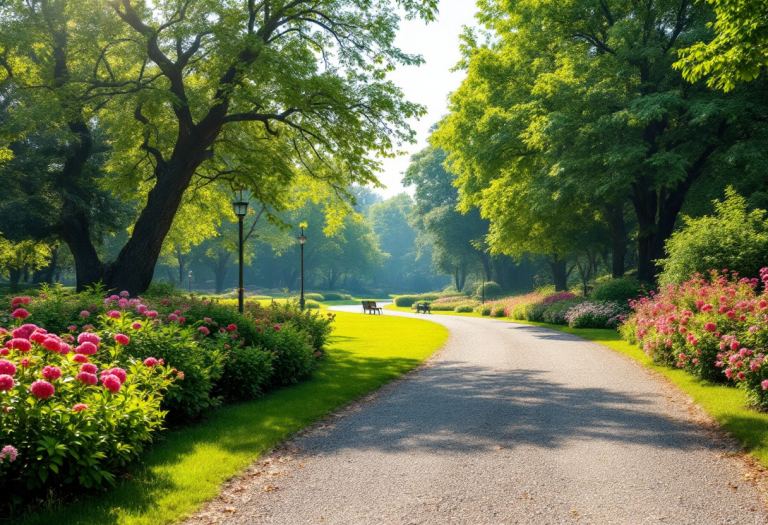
(581, 96)
(260, 91)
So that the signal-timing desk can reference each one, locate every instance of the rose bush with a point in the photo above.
(715, 327)
(75, 408)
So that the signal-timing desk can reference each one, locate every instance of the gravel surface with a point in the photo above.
(508, 424)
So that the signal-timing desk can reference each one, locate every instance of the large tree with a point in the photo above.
(580, 96)
(193, 90)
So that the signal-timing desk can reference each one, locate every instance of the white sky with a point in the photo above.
(432, 82)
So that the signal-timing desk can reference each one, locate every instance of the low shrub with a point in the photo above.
(73, 417)
(465, 308)
(591, 314)
(406, 300)
(312, 305)
(555, 313)
(484, 309)
(294, 358)
(492, 289)
(247, 373)
(333, 296)
(314, 297)
(449, 304)
(619, 290)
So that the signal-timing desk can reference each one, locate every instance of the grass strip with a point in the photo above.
(186, 468)
(727, 405)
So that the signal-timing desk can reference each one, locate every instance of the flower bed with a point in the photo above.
(715, 328)
(81, 400)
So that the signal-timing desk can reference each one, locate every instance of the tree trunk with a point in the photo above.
(559, 273)
(45, 275)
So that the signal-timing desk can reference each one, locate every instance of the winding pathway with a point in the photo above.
(509, 424)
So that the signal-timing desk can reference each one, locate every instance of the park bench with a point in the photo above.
(370, 307)
(423, 307)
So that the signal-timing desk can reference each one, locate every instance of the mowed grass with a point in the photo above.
(185, 468)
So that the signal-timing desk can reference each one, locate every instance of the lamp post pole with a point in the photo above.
(483, 286)
(302, 239)
(240, 208)
(190, 281)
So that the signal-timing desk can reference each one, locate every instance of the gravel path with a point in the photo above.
(509, 424)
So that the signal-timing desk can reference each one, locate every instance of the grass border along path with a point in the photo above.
(186, 468)
(726, 404)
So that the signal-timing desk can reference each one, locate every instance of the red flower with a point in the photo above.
(24, 331)
(111, 383)
(22, 345)
(79, 407)
(79, 358)
(86, 348)
(20, 313)
(52, 344)
(89, 368)
(51, 372)
(42, 389)
(114, 314)
(277, 327)
(24, 363)
(232, 327)
(7, 368)
(89, 337)
(710, 327)
(204, 330)
(6, 382)
(122, 339)
(39, 336)
(150, 361)
(88, 379)
(119, 373)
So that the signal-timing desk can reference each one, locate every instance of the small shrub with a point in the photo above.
(449, 304)
(595, 315)
(486, 309)
(163, 289)
(618, 290)
(492, 289)
(247, 373)
(555, 313)
(314, 296)
(294, 358)
(333, 296)
(465, 308)
(312, 305)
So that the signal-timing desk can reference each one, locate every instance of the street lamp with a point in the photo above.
(190, 281)
(302, 240)
(240, 208)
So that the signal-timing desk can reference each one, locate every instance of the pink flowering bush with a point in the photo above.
(714, 327)
(61, 430)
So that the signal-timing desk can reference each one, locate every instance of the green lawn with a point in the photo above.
(727, 405)
(188, 467)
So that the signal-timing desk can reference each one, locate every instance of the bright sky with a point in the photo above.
(432, 82)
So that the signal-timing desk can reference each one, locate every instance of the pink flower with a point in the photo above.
(728, 373)
(277, 327)
(89, 337)
(165, 301)
(64, 348)
(79, 407)
(72, 328)
(24, 331)
(706, 308)
(754, 366)
(122, 339)
(114, 314)
(722, 309)
(123, 303)
(204, 330)
(88, 379)
(694, 360)
(136, 326)
(731, 314)
(152, 314)
(6, 382)
(232, 327)
(710, 327)
(734, 345)
(38, 336)
(22, 345)
(4, 351)
(87, 348)
(20, 313)
(173, 317)
(7, 368)
(24, 363)
(51, 373)
(111, 383)
(142, 309)
(207, 319)
(79, 358)
(125, 293)
(85, 313)
(740, 375)
(52, 344)
(181, 319)
(89, 368)
(119, 373)
(42, 389)
(177, 312)
(764, 384)
(8, 452)
(150, 361)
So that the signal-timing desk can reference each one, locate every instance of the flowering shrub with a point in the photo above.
(555, 313)
(536, 312)
(450, 303)
(715, 328)
(596, 315)
(75, 408)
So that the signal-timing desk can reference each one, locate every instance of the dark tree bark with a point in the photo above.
(618, 228)
(560, 272)
(45, 275)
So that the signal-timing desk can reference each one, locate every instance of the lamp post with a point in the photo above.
(483, 286)
(240, 208)
(189, 277)
(302, 240)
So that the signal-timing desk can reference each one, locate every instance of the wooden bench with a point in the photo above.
(423, 307)
(370, 307)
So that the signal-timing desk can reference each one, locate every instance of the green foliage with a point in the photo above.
(333, 296)
(465, 308)
(59, 446)
(312, 305)
(734, 238)
(163, 290)
(492, 289)
(294, 357)
(247, 373)
(315, 297)
(618, 290)
(485, 309)
(738, 51)
(555, 313)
